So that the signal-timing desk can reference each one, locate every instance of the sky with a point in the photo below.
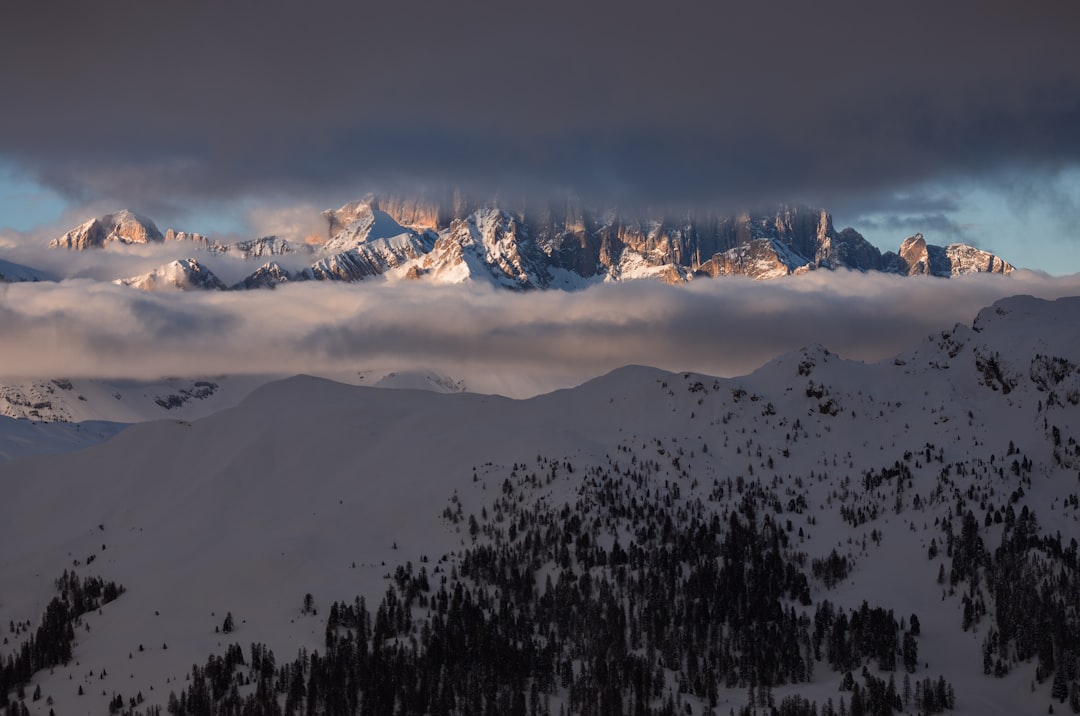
(241, 119)
(955, 119)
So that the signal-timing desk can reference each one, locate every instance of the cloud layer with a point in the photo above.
(159, 105)
(516, 344)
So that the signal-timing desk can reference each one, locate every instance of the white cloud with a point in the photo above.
(513, 343)
(299, 223)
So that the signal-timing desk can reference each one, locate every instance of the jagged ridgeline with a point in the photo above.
(523, 245)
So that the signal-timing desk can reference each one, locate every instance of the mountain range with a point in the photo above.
(822, 535)
(525, 247)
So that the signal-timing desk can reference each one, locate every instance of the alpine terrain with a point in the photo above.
(818, 537)
(524, 246)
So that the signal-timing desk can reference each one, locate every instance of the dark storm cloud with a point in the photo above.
(936, 224)
(159, 104)
(1051, 192)
(921, 202)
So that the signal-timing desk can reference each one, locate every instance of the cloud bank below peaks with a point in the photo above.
(516, 344)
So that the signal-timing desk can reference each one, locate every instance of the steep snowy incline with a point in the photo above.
(136, 401)
(182, 274)
(126, 401)
(315, 487)
(23, 438)
(12, 273)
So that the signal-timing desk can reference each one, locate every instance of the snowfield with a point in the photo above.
(309, 486)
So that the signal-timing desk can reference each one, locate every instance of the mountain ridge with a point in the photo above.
(862, 480)
(550, 246)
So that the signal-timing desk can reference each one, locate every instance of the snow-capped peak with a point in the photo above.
(123, 226)
(183, 274)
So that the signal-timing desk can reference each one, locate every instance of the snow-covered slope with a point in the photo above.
(371, 245)
(64, 400)
(490, 246)
(418, 380)
(22, 438)
(760, 259)
(525, 246)
(918, 257)
(268, 275)
(12, 273)
(262, 247)
(183, 274)
(870, 481)
(124, 401)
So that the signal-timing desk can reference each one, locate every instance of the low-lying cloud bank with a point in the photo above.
(510, 343)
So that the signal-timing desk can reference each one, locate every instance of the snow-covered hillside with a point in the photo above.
(125, 401)
(182, 274)
(76, 400)
(20, 438)
(12, 272)
(869, 538)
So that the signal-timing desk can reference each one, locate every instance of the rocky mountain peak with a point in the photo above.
(183, 274)
(123, 226)
(561, 243)
(191, 236)
(338, 219)
(915, 255)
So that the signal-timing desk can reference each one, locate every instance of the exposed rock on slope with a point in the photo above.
(268, 275)
(184, 274)
(561, 244)
(759, 259)
(124, 227)
(916, 257)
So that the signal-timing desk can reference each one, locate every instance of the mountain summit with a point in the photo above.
(555, 244)
(558, 245)
(183, 274)
(125, 227)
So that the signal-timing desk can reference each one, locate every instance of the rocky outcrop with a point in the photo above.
(916, 257)
(965, 259)
(561, 243)
(262, 247)
(759, 259)
(124, 227)
(419, 213)
(269, 275)
(338, 219)
(184, 274)
(489, 244)
(847, 249)
(191, 237)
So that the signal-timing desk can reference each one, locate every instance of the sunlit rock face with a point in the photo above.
(124, 227)
(759, 259)
(553, 243)
(917, 257)
(965, 259)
